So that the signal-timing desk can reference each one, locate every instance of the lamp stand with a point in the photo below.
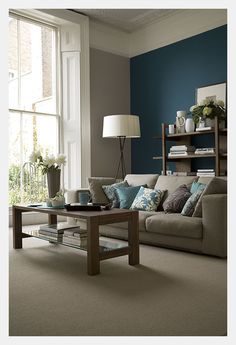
(122, 160)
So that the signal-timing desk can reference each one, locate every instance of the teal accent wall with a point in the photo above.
(164, 81)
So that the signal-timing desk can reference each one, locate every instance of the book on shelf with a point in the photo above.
(202, 129)
(182, 148)
(206, 174)
(204, 150)
(75, 232)
(205, 170)
(176, 154)
(184, 173)
(58, 228)
(50, 234)
(75, 240)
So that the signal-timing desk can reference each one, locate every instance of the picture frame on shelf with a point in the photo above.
(211, 92)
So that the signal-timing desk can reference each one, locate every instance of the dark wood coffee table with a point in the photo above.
(95, 252)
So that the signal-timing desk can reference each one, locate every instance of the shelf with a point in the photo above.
(104, 244)
(178, 136)
(193, 156)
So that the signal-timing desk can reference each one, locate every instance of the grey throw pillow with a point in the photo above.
(110, 191)
(95, 187)
(176, 200)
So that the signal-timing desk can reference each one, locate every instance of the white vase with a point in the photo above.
(189, 125)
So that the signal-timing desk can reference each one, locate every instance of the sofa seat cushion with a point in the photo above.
(143, 215)
(174, 224)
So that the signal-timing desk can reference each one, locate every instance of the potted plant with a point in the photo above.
(51, 166)
(58, 200)
(207, 110)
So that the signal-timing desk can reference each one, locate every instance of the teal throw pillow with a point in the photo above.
(197, 185)
(190, 204)
(126, 195)
(147, 199)
(110, 191)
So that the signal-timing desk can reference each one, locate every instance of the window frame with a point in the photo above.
(58, 96)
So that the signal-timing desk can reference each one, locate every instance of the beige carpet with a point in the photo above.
(171, 293)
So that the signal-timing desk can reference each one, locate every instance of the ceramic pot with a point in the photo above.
(189, 125)
(53, 180)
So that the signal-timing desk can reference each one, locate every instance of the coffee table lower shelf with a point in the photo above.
(107, 248)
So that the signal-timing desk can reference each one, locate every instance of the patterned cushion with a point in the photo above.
(126, 195)
(175, 201)
(147, 199)
(110, 192)
(189, 207)
(197, 185)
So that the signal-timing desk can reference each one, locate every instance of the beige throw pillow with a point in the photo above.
(95, 187)
(215, 186)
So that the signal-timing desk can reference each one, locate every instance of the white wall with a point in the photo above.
(182, 24)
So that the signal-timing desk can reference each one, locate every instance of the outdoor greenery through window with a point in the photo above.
(33, 105)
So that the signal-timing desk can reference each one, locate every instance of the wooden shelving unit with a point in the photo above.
(183, 163)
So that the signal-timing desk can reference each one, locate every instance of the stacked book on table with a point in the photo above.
(181, 150)
(55, 231)
(206, 172)
(205, 151)
(75, 236)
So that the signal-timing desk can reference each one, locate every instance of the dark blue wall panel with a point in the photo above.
(164, 81)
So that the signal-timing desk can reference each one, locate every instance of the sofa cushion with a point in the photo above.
(95, 187)
(143, 215)
(110, 191)
(215, 186)
(126, 195)
(173, 224)
(190, 204)
(170, 183)
(147, 199)
(176, 200)
(142, 179)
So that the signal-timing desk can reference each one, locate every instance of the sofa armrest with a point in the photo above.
(72, 195)
(214, 220)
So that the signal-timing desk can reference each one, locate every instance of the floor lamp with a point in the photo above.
(121, 127)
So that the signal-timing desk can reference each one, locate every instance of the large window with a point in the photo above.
(33, 104)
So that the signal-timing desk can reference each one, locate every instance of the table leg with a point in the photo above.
(52, 219)
(133, 239)
(93, 261)
(17, 228)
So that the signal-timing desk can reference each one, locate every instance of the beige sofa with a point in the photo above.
(205, 232)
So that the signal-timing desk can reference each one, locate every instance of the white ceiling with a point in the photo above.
(127, 20)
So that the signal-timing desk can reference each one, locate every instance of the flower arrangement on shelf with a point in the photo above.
(49, 162)
(208, 108)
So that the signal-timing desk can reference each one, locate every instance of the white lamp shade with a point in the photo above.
(121, 126)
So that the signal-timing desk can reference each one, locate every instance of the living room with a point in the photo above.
(152, 67)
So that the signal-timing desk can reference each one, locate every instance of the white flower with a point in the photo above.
(220, 103)
(60, 160)
(207, 111)
(34, 156)
(48, 161)
(193, 107)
